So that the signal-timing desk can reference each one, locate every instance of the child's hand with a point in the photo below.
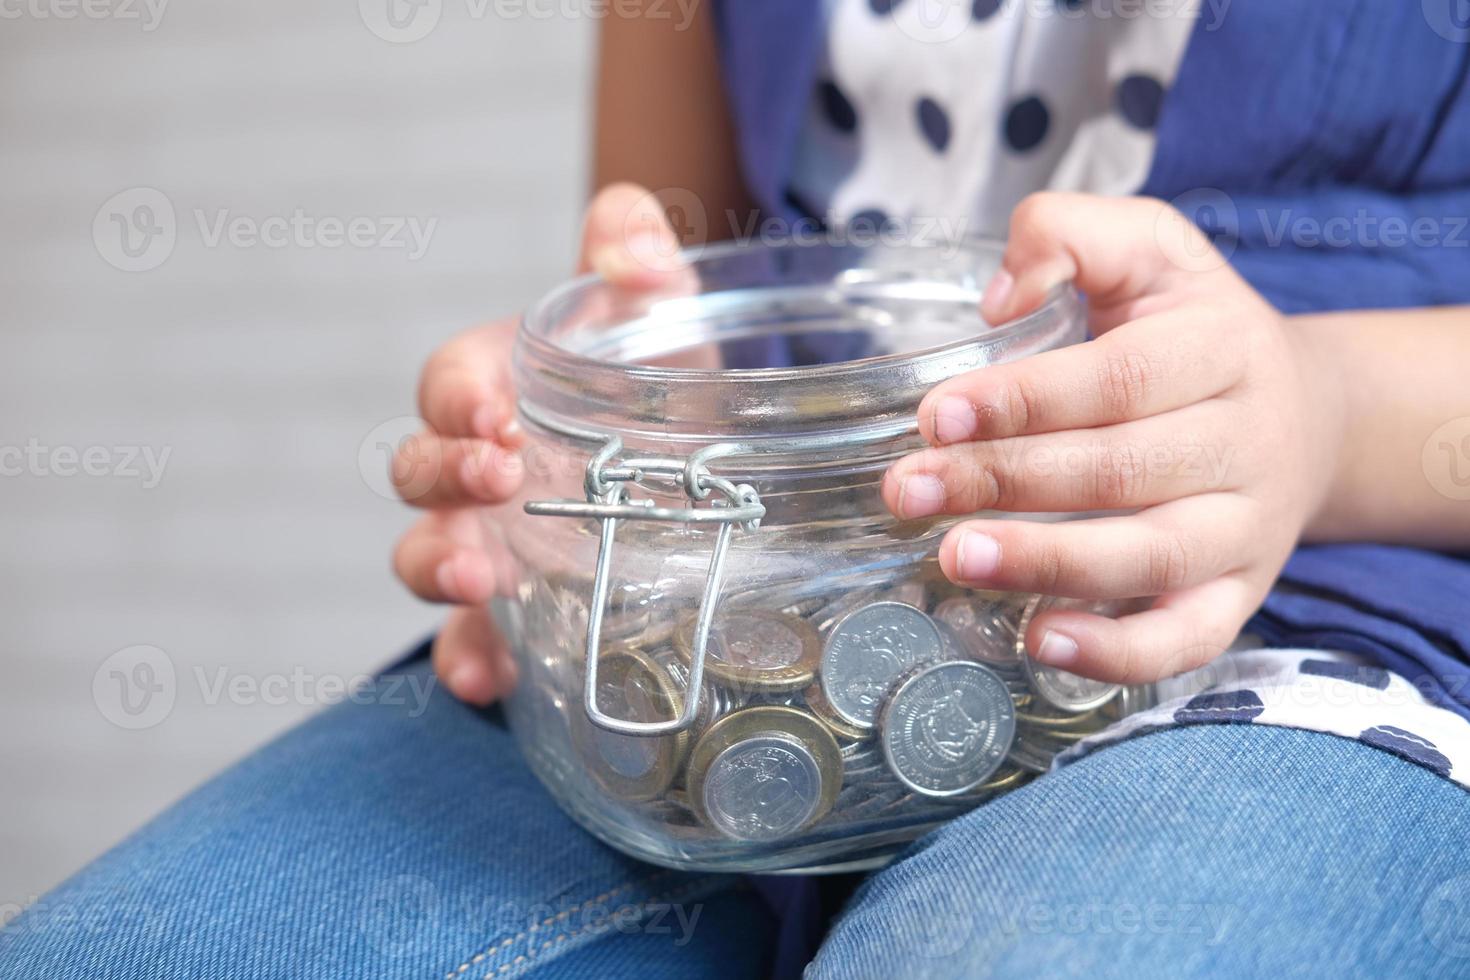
(1196, 411)
(468, 455)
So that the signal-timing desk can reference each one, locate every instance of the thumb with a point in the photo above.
(1120, 251)
(627, 238)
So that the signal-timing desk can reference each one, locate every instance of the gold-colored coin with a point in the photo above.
(632, 686)
(1006, 779)
(755, 651)
(817, 703)
(764, 773)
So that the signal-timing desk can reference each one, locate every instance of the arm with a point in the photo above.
(1398, 378)
(663, 121)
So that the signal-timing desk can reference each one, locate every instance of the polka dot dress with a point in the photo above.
(950, 110)
(1316, 690)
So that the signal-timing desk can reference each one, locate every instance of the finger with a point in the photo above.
(465, 388)
(441, 559)
(1182, 631)
(471, 656)
(1147, 367)
(628, 240)
(1123, 253)
(1162, 549)
(429, 471)
(1137, 464)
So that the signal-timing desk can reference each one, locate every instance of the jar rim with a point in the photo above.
(583, 396)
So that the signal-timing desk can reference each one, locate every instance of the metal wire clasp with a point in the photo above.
(607, 500)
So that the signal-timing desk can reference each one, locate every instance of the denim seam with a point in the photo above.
(591, 928)
(549, 920)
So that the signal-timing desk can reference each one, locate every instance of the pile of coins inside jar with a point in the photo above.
(896, 704)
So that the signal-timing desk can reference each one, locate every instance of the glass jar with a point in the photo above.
(731, 656)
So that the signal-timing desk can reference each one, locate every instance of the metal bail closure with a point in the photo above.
(607, 501)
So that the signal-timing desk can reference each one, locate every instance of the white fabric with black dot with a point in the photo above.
(951, 110)
(1314, 690)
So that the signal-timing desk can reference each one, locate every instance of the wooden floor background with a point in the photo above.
(263, 550)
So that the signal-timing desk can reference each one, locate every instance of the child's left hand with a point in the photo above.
(1198, 412)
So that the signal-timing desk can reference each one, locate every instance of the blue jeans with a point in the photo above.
(409, 840)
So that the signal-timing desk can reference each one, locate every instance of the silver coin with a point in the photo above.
(1059, 688)
(869, 650)
(1068, 691)
(947, 727)
(987, 630)
(762, 788)
(1029, 757)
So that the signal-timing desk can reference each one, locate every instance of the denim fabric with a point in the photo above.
(382, 840)
(1223, 850)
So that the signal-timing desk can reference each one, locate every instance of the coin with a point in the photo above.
(817, 704)
(987, 629)
(947, 727)
(714, 700)
(1028, 756)
(913, 593)
(764, 773)
(767, 652)
(632, 686)
(868, 650)
(1060, 688)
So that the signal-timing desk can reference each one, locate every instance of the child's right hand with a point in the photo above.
(468, 455)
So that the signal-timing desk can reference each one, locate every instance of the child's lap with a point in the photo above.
(382, 840)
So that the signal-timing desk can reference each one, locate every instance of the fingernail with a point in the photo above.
(993, 300)
(639, 255)
(954, 420)
(510, 432)
(1057, 650)
(977, 557)
(920, 495)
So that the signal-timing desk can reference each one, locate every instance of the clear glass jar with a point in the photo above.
(784, 680)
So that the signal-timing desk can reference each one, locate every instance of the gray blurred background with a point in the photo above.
(193, 405)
